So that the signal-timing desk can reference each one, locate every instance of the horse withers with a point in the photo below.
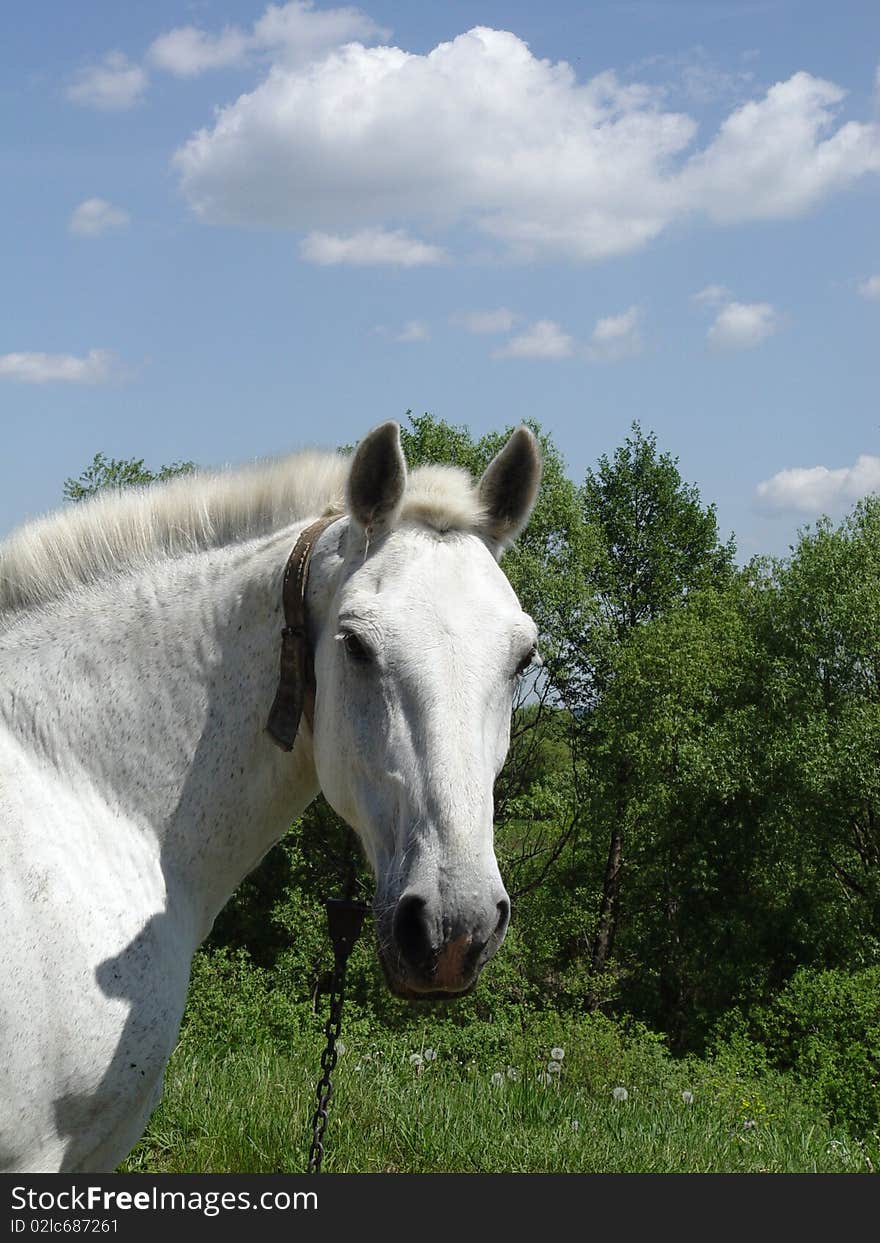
(139, 658)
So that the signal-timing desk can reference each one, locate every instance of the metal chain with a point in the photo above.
(324, 1090)
(345, 919)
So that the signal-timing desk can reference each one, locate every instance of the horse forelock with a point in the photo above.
(443, 497)
(116, 531)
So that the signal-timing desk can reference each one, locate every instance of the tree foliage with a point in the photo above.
(657, 544)
(749, 717)
(114, 473)
(658, 541)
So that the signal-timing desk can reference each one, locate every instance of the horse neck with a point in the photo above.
(153, 691)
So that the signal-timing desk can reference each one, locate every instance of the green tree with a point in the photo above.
(822, 636)
(658, 541)
(103, 473)
(750, 719)
(699, 915)
(657, 544)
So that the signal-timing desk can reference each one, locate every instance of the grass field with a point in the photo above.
(615, 1102)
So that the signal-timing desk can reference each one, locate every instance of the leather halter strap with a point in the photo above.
(296, 683)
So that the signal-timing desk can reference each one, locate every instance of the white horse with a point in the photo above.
(139, 656)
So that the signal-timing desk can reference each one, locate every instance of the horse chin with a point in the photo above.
(409, 991)
(437, 994)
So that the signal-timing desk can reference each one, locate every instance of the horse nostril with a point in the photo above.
(410, 930)
(503, 918)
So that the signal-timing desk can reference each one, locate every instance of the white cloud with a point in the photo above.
(818, 489)
(187, 51)
(870, 288)
(112, 85)
(480, 132)
(616, 337)
(696, 76)
(297, 32)
(97, 367)
(776, 157)
(712, 295)
(370, 247)
(484, 322)
(544, 339)
(294, 33)
(743, 325)
(414, 330)
(705, 82)
(96, 216)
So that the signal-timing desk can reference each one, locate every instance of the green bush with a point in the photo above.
(232, 1006)
(824, 1029)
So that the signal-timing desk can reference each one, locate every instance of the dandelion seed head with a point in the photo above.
(687, 1097)
(575, 1125)
(497, 1078)
(415, 1059)
(512, 1073)
(554, 1068)
(557, 1053)
(340, 1047)
(620, 1094)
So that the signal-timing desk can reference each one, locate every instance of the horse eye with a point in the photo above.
(355, 649)
(531, 658)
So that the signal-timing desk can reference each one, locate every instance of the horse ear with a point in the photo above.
(509, 488)
(377, 480)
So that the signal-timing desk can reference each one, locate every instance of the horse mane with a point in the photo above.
(119, 530)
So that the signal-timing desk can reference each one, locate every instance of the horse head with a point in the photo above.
(419, 643)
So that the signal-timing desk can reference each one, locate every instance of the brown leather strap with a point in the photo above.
(296, 684)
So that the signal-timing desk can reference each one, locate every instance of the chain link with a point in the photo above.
(345, 918)
(324, 1090)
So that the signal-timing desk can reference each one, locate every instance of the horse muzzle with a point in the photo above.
(429, 954)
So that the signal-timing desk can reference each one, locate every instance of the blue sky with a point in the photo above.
(232, 230)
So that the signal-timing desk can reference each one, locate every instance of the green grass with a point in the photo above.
(249, 1110)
